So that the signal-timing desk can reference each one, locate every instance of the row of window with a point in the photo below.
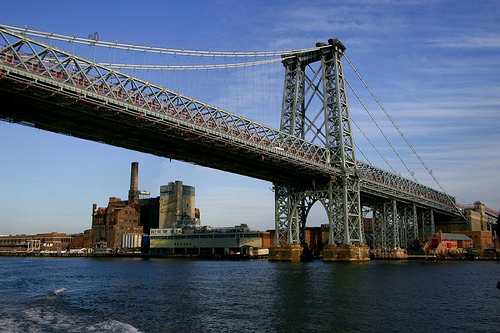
(24, 240)
(200, 236)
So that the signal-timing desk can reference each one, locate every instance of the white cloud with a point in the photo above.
(474, 40)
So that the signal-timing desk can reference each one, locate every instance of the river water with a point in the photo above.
(167, 295)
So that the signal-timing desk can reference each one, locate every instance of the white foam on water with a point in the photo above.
(38, 319)
(59, 290)
(9, 325)
(50, 313)
(112, 326)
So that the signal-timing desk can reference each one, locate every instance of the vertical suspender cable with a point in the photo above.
(398, 129)
(381, 131)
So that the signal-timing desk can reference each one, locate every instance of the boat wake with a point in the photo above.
(52, 313)
(58, 291)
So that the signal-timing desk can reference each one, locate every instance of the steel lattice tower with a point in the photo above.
(309, 86)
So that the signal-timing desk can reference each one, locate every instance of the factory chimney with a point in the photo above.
(133, 193)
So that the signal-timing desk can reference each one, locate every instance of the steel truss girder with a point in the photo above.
(381, 183)
(31, 62)
(339, 137)
(491, 221)
(351, 210)
(393, 223)
(379, 226)
(293, 108)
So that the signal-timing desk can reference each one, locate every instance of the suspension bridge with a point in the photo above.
(310, 158)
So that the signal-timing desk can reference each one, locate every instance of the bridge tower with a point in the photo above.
(315, 108)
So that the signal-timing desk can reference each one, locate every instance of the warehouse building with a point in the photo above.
(54, 242)
(206, 241)
(442, 242)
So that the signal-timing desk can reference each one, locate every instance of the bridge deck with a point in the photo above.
(86, 119)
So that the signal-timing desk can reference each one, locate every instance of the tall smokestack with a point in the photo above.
(133, 193)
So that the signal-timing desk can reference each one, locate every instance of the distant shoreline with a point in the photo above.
(128, 255)
(227, 257)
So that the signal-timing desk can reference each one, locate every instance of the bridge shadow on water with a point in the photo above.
(382, 296)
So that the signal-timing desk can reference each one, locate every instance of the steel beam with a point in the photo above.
(428, 227)
(379, 226)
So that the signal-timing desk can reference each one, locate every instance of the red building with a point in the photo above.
(113, 224)
(440, 243)
(481, 240)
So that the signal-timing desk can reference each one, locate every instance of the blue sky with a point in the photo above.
(434, 65)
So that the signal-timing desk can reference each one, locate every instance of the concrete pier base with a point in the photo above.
(391, 254)
(285, 253)
(349, 253)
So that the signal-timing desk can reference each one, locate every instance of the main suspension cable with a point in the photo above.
(94, 41)
(191, 67)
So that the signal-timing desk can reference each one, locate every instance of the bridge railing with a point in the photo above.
(88, 79)
(372, 177)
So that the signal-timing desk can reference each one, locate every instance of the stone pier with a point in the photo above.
(285, 253)
(391, 254)
(348, 253)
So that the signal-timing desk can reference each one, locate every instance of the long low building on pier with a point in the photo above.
(54, 242)
(217, 242)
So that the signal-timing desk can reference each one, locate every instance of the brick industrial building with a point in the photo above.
(117, 227)
(121, 225)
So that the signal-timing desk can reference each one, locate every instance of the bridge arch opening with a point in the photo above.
(311, 213)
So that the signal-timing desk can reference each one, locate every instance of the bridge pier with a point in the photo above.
(387, 253)
(285, 252)
(331, 252)
(346, 252)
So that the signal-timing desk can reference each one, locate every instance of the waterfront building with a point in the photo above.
(117, 227)
(81, 242)
(122, 224)
(482, 225)
(225, 241)
(479, 218)
(441, 243)
(481, 240)
(111, 224)
(54, 242)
